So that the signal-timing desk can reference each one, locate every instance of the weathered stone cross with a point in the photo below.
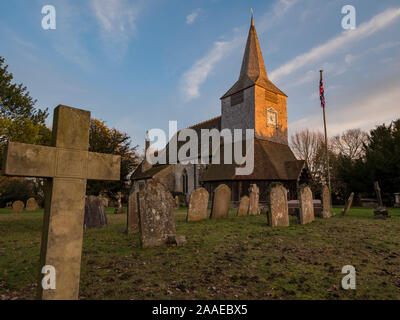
(68, 165)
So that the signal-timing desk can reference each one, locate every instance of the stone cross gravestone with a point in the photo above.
(348, 204)
(198, 204)
(156, 215)
(254, 198)
(326, 202)
(278, 211)
(31, 205)
(243, 206)
(221, 202)
(306, 205)
(95, 215)
(132, 220)
(66, 167)
(18, 206)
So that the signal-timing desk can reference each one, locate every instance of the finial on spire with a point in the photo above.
(252, 16)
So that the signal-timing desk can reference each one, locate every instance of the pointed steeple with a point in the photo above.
(253, 68)
(253, 63)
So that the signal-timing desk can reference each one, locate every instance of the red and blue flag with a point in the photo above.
(322, 93)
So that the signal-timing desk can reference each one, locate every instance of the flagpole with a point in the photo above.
(326, 140)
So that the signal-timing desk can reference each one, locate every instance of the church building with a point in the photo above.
(253, 102)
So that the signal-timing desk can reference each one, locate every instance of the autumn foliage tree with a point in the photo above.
(111, 141)
(20, 119)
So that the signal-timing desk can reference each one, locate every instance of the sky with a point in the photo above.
(139, 64)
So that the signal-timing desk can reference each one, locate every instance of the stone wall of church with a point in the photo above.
(263, 101)
(240, 115)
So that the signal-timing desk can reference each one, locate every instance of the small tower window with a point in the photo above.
(272, 118)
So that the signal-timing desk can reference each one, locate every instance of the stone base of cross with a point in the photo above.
(67, 166)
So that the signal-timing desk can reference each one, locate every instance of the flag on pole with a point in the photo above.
(322, 93)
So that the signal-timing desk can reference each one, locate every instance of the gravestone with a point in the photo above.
(348, 204)
(221, 202)
(243, 206)
(397, 200)
(18, 206)
(381, 212)
(95, 215)
(177, 203)
(156, 215)
(198, 204)
(306, 205)
(132, 223)
(278, 212)
(104, 200)
(254, 198)
(66, 166)
(32, 205)
(326, 202)
(120, 208)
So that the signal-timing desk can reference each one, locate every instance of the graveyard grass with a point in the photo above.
(236, 258)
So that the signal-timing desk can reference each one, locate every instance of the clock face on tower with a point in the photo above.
(272, 118)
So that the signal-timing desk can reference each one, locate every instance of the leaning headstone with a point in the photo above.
(306, 205)
(278, 212)
(381, 212)
(348, 204)
(32, 205)
(132, 216)
(254, 198)
(18, 206)
(66, 165)
(95, 215)
(221, 202)
(156, 215)
(198, 204)
(326, 202)
(243, 206)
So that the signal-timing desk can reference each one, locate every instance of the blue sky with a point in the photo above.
(138, 64)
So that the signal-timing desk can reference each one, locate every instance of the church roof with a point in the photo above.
(272, 161)
(148, 174)
(253, 70)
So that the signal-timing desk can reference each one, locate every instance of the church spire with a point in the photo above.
(253, 63)
(253, 68)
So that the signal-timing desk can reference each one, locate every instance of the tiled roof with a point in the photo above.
(272, 161)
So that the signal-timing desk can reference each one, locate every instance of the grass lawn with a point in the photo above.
(236, 258)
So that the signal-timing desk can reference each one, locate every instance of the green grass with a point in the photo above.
(236, 258)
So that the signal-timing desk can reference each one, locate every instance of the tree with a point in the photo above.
(382, 157)
(20, 120)
(350, 143)
(310, 146)
(111, 141)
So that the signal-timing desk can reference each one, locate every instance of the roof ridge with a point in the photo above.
(203, 122)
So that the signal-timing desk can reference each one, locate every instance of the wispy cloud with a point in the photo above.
(201, 69)
(346, 38)
(192, 17)
(117, 19)
(199, 72)
(350, 58)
